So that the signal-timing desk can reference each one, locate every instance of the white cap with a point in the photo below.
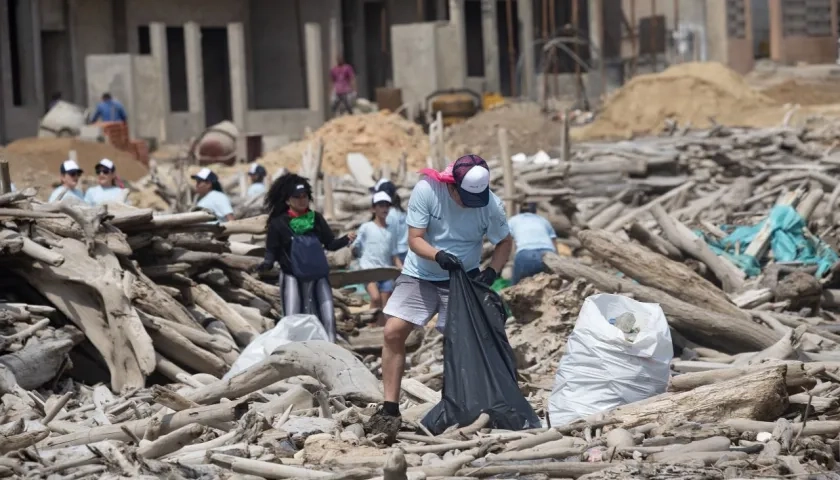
(381, 197)
(204, 173)
(253, 169)
(106, 163)
(476, 180)
(70, 166)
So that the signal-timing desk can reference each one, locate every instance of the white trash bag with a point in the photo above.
(292, 328)
(619, 352)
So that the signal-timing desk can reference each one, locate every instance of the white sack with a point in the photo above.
(601, 369)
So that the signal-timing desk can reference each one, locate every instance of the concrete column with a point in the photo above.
(335, 40)
(489, 17)
(37, 57)
(195, 69)
(160, 52)
(5, 75)
(238, 75)
(528, 82)
(314, 68)
(457, 20)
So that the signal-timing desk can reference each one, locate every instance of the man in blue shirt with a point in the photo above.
(109, 110)
(448, 218)
(534, 236)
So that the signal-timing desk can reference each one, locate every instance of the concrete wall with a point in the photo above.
(91, 24)
(21, 120)
(147, 94)
(788, 45)
(287, 122)
(414, 56)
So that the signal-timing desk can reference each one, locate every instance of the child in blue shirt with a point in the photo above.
(376, 247)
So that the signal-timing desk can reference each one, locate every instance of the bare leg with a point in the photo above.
(323, 295)
(393, 356)
(291, 295)
(375, 297)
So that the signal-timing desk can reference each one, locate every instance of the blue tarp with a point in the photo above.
(788, 242)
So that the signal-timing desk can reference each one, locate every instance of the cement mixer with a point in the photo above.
(63, 120)
(217, 144)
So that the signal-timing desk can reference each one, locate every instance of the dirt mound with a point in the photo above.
(804, 92)
(688, 93)
(381, 137)
(529, 130)
(545, 309)
(36, 161)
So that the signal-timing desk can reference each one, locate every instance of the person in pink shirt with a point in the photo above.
(343, 85)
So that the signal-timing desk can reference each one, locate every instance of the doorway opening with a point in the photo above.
(760, 16)
(475, 39)
(376, 46)
(14, 46)
(505, 17)
(216, 65)
(176, 54)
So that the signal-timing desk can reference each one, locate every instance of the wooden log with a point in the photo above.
(32, 249)
(760, 395)
(253, 225)
(731, 334)
(263, 469)
(731, 278)
(341, 372)
(552, 469)
(37, 362)
(795, 378)
(653, 241)
(207, 299)
(175, 346)
(657, 271)
(829, 428)
(171, 442)
(619, 223)
(208, 415)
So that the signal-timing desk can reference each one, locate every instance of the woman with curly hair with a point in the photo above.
(297, 236)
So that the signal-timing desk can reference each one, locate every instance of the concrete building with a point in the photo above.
(264, 64)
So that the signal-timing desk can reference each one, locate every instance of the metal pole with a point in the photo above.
(633, 40)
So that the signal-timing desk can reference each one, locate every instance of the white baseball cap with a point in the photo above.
(107, 163)
(381, 197)
(472, 179)
(206, 174)
(70, 166)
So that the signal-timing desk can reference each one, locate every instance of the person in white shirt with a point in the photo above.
(109, 189)
(396, 216)
(70, 173)
(376, 247)
(257, 175)
(211, 196)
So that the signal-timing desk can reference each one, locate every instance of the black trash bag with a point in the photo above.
(479, 369)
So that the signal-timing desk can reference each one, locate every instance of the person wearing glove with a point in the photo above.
(292, 224)
(449, 215)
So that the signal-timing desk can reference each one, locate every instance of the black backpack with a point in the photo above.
(307, 258)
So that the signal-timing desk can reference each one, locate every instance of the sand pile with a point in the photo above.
(804, 92)
(381, 137)
(36, 161)
(688, 93)
(529, 130)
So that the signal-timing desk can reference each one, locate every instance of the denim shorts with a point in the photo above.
(385, 286)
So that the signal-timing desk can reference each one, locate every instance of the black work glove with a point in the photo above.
(487, 276)
(264, 267)
(447, 261)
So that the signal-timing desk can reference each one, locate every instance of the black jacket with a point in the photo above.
(280, 234)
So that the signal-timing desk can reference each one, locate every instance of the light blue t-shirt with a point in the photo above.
(98, 195)
(398, 228)
(255, 189)
(377, 245)
(531, 232)
(451, 227)
(218, 203)
(60, 189)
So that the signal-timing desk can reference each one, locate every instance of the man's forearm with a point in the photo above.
(501, 254)
(422, 248)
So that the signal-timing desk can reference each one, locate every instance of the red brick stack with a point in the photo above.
(140, 149)
(117, 135)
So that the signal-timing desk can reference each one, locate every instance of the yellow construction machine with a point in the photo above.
(459, 104)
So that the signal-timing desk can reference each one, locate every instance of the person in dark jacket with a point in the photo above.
(287, 202)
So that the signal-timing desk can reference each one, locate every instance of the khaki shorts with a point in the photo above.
(417, 301)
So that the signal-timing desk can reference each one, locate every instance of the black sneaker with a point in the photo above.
(384, 423)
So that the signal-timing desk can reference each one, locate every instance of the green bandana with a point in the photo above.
(303, 223)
